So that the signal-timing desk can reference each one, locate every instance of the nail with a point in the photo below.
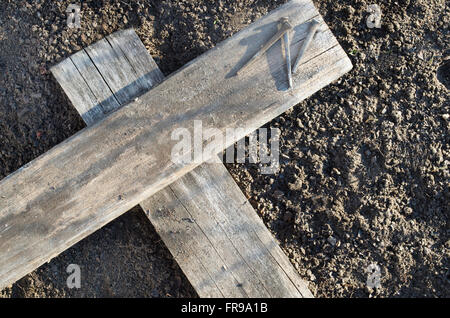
(314, 25)
(285, 26)
(287, 47)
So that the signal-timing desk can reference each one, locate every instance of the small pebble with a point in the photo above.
(332, 240)
(278, 194)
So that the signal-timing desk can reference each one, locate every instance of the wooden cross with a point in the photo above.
(124, 158)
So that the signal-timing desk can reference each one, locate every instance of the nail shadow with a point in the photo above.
(254, 43)
(277, 51)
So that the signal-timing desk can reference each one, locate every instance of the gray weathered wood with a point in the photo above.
(106, 169)
(89, 108)
(238, 244)
(213, 256)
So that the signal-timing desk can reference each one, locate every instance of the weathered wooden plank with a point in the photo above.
(243, 220)
(101, 172)
(148, 73)
(89, 108)
(229, 222)
(114, 67)
(215, 262)
(106, 101)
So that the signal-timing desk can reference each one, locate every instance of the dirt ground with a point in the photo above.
(364, 169)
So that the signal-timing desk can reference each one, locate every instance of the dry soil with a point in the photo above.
(364, 169)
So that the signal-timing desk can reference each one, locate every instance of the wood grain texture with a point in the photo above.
(106, 169)
(235, 245)
(217, 261)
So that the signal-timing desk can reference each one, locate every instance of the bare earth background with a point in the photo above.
(364, 168)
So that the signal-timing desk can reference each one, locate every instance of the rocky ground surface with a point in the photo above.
(364, 165)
